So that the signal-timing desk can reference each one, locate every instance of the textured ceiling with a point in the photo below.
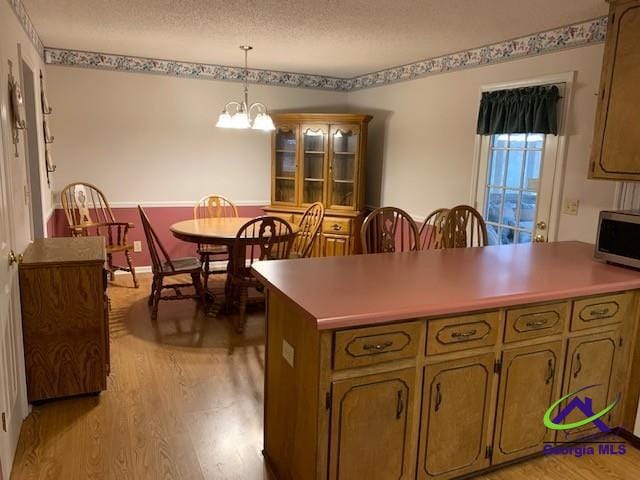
(330, 37)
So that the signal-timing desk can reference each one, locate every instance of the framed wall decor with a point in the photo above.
(18, 116)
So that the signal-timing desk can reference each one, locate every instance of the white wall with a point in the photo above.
(422, 137)
(13, 37)
(151, 138)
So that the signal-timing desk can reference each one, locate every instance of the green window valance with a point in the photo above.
(521, 110)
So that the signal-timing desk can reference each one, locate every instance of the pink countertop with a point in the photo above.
(338, 292)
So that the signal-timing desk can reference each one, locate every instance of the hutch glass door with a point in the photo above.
(286, 142)
(345, 140)
(313, 164)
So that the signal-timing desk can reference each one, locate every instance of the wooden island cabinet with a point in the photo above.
(320, 157)
(441, 364)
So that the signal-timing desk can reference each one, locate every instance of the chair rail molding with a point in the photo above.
(580, 34)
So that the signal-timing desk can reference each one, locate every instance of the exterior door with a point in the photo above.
(590, 363)
(371, 427)
(515, 185)
(343, 166)
(528, 386)
(12, 388)
(455, 415)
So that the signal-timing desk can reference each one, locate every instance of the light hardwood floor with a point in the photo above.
(184, 401)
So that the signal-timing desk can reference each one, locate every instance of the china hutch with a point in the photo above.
(320, 157)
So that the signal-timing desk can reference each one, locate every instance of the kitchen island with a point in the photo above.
(440, 364)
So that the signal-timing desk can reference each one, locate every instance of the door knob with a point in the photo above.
(541, 225)
(539, 238)
(13, 258)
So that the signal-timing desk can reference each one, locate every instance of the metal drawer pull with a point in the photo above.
(468, 333)
(336, 227)
(400, 405)
(551, 371)
(578, 366)
(377, 346)
(599, 312)
(438, 397)
(537, 323)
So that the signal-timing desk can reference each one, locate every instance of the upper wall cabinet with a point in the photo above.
(616, 150)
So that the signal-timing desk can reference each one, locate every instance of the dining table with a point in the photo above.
(216, 231)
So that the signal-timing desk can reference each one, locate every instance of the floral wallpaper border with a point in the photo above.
(30, 30)
(570, 36)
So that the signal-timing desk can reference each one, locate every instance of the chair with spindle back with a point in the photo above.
(213, 206)
(431, 231)
(310, 224)
(464, 227)
(389, 229)
(89, 214)
(163, 266)
(262, 238)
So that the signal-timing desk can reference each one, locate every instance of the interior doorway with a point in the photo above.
(32, 150)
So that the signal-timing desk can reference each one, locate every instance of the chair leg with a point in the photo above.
(156, 299)
(204, 259)
(197, 283)
(127, 255)
(112, 275)
(153, 291)
(242, 320)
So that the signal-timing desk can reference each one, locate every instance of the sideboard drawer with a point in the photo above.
(462, 333)
(535, 321)
(368, 346)
(599, 311)
(336, 226)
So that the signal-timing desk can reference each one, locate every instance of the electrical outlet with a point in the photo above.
(137, 246)
(570, 206)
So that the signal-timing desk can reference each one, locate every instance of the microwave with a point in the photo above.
(618, 239)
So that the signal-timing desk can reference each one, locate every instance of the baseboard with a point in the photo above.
(629, 437)
(216, 266)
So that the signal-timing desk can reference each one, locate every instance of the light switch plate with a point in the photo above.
(288, 352)
(137, 246)
(570, 206)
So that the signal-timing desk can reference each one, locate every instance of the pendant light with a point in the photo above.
(241, 118)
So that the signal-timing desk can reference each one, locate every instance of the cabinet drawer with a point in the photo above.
(535, 321)
(288, 217)
(336, 226)
(599, 311)
(368, 346)
(460, 333)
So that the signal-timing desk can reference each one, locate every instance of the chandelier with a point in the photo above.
(242, 116)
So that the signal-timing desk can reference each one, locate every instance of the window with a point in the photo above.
(513, 187)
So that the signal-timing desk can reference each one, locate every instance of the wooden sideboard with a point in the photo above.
(379, 393)
(615, 152)
(65, 317)
(319, 157)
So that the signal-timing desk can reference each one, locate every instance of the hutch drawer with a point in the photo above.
(372, 345)
(535, 321)
(461, 333)
(599, 311)
(336, 226)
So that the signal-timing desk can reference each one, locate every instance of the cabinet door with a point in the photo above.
(284, 185)
(371, 428)
(335, 245)
(528, 386)
(314, 164)
(455, 414)
(344, 164)
(616, 150)
(590, 363)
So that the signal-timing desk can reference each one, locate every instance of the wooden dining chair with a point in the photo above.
(464, 227)
(389, 229)
(431, 231)
(310, 224)
(213, 206)
(262, 238)
(163, 266)
(89, 214)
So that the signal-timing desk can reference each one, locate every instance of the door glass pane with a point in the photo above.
(513, 182)
(285, 159)
(314, 155)
(345, 148)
